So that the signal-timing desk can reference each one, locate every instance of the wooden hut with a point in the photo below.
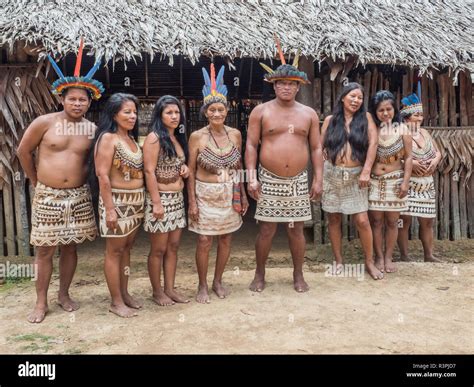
(160, 47)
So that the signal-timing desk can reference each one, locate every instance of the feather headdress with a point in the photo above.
(214, 89)
(94, 87)
(412, 104)
(284, 71)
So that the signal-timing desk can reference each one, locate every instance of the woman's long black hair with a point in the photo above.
(377, 99)
(157, 127)
(336, 134)
(107, 124)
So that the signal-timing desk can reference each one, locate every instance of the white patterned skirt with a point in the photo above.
(174, 216)
(283, 199)
(421, 197)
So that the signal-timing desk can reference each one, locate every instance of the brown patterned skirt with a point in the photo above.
(383, 192)
(129, 206)
(62, 216)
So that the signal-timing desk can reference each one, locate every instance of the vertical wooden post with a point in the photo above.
(327, 107)
(438, 210)
(470, 209)
(21, 214)
(469, 98)
(2, 231)
(305, 95)
(146, 75)
(462, 204)
(464, 117)
(452, 103)
(9, 217)
(443, 99)
(367, 85)
(317, 95)
(425, 99)
(433, 100)
(454, 204)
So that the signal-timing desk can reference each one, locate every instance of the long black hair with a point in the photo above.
(377, 99)
(157, 127)
(107, 124)
(336, 134)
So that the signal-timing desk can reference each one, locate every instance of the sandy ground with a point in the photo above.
(422, 309)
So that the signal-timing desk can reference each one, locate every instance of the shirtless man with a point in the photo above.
(62, 212)
(289, 135)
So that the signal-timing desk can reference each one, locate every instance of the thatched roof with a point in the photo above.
(417, 33)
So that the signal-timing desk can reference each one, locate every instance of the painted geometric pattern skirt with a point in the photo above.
(174, 217)
(421, 197)
(129, 206)
(283, 199)
(383, 192)
(62, 216)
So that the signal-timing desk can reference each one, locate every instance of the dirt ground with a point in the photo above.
(422, 309)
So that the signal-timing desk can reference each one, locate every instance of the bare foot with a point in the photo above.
(38, 314)
(405, 258)
(299, 283)
(176, 297)
(433, 259)
(373, 271)
(258, 283)
(220, 290)
(202, 295)
(379, 264)
(131, 301)
(162, 299)
(123, 311)
(67, 303)
(390, 267)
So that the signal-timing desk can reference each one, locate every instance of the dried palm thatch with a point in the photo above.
(457, 150)
(24, 95)
(424, 34)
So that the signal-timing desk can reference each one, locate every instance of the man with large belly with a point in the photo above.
(288, 133)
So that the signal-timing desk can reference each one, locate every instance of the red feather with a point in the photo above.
(77, 69)
(277, 41)
(213, 77)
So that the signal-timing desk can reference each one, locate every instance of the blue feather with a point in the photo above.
(207, 79)
(55, 67)
(410, 100)
(93, 70)
(220, 87)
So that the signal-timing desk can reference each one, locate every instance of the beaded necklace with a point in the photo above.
(213, 158)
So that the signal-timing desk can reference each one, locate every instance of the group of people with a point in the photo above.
(361, 165)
